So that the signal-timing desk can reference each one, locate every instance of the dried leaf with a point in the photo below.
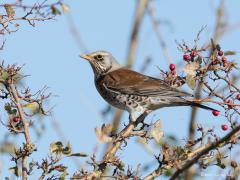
(81, 154)
(102, 137)
(15, 170)
(190, 80)
(65, 8)
(34, 107)
(7, 147)
(56, 147)
(234, 64)
(9, 10)
(60, 168)
(106, 128)
(230, 53)
(190, 69)
(155, 132)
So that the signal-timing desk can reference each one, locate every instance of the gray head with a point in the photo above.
(102, 62)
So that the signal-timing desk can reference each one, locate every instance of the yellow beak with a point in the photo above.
(86, 57)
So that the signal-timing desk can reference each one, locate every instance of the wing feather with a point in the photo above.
(126, 81)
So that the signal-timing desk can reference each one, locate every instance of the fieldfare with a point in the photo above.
(129, 90)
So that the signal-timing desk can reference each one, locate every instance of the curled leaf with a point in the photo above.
(9, 10)
(102, 136)
(190, 69)
(15, 170)
(230, 53)
(67, 150)
(65, 8)
(155, 132)
(106, 128)
(56, 147)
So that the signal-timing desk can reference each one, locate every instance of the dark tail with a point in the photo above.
(201, 106)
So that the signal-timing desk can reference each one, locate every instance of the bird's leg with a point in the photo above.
(138, 115)
(142, 118)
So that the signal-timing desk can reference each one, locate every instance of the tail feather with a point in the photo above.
(200, 106)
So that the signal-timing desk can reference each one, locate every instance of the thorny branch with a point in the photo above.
(10, 21)
(18, 118)
(206, 150)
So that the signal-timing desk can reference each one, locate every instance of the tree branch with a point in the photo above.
(214, 145)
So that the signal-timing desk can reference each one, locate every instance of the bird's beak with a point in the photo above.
(86, 56)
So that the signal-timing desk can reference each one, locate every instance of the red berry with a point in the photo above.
(234, 164)
(172, 67)
(194, 53)
(224, 127)
(215, 113)
(186, 57)
(230, 103)
(224, 59)
(220, 53)
(238, 97)
(16, 119)
(225, 64)
(215, 61)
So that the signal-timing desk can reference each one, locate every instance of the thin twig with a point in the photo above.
(160, 38)
(214, 145)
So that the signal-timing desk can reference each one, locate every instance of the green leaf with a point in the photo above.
(81, 154)
(190, 80)
(5, 75)
(168, 172)
(8, 108)
(55, 11)
(63, 175)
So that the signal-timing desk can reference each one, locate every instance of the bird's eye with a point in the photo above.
(99, 57)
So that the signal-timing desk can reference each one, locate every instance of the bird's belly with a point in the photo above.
(124, 101)
(158, 102)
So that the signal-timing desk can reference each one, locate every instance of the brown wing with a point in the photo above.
(126, 81)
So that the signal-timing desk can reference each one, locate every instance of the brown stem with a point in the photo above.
(118, 140)
(13, 91)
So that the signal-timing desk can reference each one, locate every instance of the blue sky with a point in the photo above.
(52, 58)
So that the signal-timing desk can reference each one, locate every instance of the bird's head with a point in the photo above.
(102, 62)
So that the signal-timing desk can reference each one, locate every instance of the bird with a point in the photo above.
(132, 91)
